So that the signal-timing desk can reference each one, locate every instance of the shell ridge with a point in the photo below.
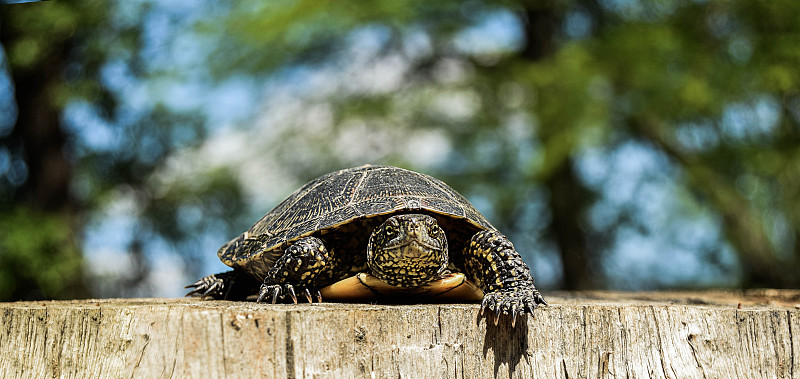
(308, 187)
(430, 180)
(443, 187)
(472, 215)
(357, 188)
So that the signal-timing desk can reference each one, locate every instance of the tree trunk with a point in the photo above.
(38, 132)
(569, 198)
(595, 334)
(38, 139)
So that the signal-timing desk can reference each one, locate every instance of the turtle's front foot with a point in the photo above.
(514, 302)
(295, 272)
(497, 267)
(214, 286)
(276, 292)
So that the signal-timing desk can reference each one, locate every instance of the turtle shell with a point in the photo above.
(351, 202)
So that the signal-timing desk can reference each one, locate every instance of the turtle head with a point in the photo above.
(408, 250)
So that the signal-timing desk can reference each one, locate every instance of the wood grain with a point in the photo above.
(712, 334)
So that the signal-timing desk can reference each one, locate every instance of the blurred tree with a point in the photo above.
(39, 257)
(73, 145)
(531, 109)
(524, 89)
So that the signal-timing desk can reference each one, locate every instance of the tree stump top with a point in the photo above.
(674, 334)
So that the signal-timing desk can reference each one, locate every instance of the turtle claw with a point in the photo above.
(269, 291)
(516, 303)
(195, 284)
(277, 292)
(210, 286)
(195, 288)
(538, 299)
(514, 316)
(261, 296)
(216, 286)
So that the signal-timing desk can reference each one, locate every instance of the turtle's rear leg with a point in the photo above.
(494, 265)
(231, 285)
(295, 272)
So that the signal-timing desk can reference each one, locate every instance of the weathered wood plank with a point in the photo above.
(594, 334)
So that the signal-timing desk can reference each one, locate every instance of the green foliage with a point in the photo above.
(69, 50)
(39, 251)
(272, 35)
(707, 87)
(39, 257)
(38, 32)
(711, 85)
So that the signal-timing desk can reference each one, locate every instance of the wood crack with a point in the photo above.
(791, 344)
(290, 369)
(572, 338)
(660, 343)
(222, 341)
(690, 340)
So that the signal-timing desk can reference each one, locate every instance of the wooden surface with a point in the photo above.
(589, 334)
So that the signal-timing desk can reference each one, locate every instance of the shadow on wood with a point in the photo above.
(508, 344)
(587, 334)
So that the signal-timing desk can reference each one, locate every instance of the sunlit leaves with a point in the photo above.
(38, 256)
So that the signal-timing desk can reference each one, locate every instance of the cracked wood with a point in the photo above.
(584, 334)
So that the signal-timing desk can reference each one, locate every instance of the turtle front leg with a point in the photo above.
(493, 264)
(296, 271)
(230, 285)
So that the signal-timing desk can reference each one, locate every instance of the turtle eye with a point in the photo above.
(388, 230)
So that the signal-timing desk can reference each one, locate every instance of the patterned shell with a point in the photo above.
(343, 197)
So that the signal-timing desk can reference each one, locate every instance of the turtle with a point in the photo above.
(403, 228)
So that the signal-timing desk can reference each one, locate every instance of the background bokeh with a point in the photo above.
(620, 144)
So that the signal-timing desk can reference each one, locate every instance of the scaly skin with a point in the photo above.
(497, 269)
(293, 274)
(230, 285)
(406, 250)
(296, 271)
